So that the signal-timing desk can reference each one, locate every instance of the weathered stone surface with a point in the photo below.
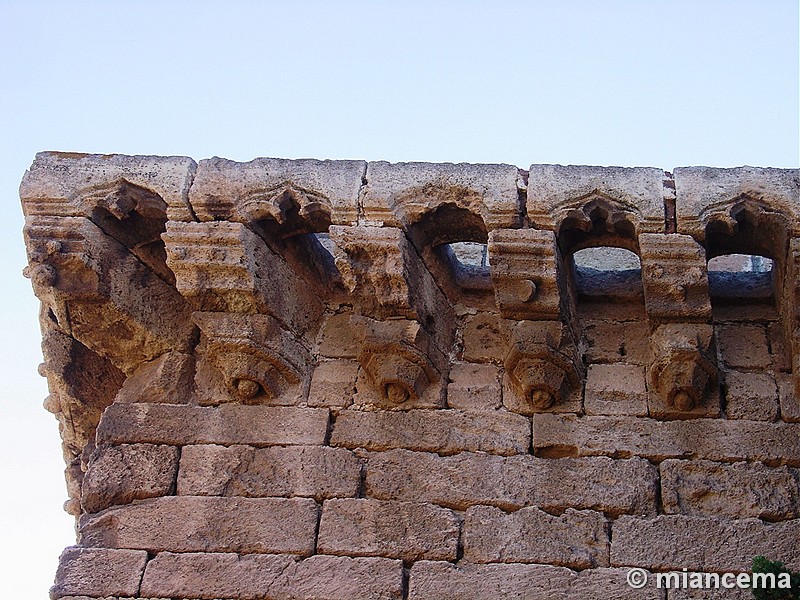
(298, 195)
(577, 539)
(50, 185)
(484, 340)
(614, 341)
(407, 530)
(442, 431)
(705, 194)
(122, 474)
(307, 471)
(98, 572)
(704, 488)
(168, 378)
(341, 337)
(615, 389)
(333, 383)
(789, 399)
(227, 425)
(710, 593)
(743, 346)
(199, 524)
(713, 439)
(467, 479)
(445, 581)
(257, 577)
(701, 543)
(474, 387)
(404, 193)
(632, 195)
(751, 396)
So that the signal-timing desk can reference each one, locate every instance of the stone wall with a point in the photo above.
(345, 380)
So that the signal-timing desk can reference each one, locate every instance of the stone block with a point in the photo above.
(483, 339)
(743, 346)
(556, 193)
(98, 572)
(407, 530)
(169, 378)
(712, 439)
(617, 342)
(200, 524)
(341, 337)
(228, 424)
(789, 399)
(304, 194)
(70, 183)
(751, 396)
(467, 479)
(675, 542)
(306, 471)
(706, 193)
(739, 490)
(474, 387)
(404, 193)
(122, 474)
(445, 581)
(442, 431)
(333, 383)
(277, 577)
(577, 539)
(616, 389)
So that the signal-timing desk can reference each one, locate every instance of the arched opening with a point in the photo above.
(741, 278)
(607, 273)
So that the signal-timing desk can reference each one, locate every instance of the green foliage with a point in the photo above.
(764, 565)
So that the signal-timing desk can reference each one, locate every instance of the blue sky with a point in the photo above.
(608, 82)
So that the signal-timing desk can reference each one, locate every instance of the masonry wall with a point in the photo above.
(346, 380)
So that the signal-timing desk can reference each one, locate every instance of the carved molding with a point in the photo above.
(260, 362)
(542, 366)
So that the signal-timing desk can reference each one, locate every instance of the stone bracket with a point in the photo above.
(542, 366)
(225, 267)
(260, 361)
(525, 268)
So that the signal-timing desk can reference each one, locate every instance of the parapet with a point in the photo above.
(340, 379)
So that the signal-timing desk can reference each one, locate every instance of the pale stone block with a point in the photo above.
(616, 389)
(483, 339)
(306, 471)
(744, 346)
(676, 542)
(98, 572)
(617, 342)
(713, 439)
(333, 383)
(407, 530)
(577, 539)
(122, 474)
(703, 488)
(277, 577)
(751, 396)
(602, 484)
(341, 337)
(201, 524)
(474, 387)
(169, 378)
(443, 431)
(228, 424)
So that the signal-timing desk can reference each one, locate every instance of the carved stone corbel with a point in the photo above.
(402, 364)
(260, 362)
(542, 369)
(682, 370)
(225, 267)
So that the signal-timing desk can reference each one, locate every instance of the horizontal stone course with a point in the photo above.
(122, 474)
(704, 488)
(713, 439)
(227, 425)
(307, 471)
(202, 524)
(577, 539)
(98, 572)
(441, 431)
(272, 577)
(407, 530)
(675, 542)
(466, 581)
(603, 484)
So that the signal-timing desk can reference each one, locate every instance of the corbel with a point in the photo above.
(682, 374)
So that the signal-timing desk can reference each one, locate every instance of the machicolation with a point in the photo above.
(341, 380)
